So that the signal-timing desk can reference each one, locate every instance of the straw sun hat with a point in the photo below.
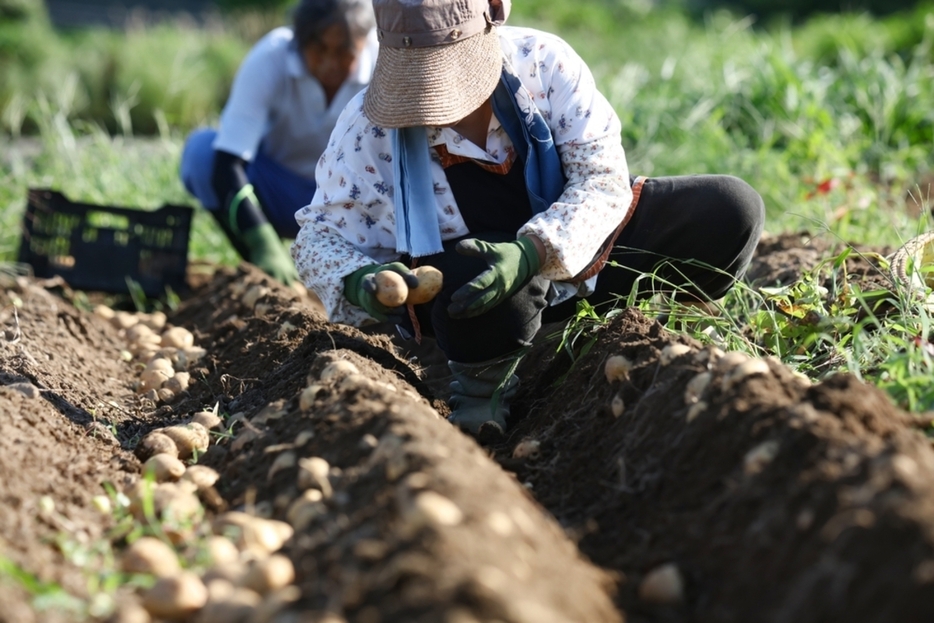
(439, 60)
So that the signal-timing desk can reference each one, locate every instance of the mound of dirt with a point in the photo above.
(723, 490)
(777, 500)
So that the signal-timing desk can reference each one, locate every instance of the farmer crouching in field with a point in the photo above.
(487, 152)
(258, 169)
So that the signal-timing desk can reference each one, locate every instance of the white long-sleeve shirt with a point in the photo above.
(350, 222)
(276, 102)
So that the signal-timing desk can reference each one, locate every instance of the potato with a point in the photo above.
(150, 555)
(155, 321)
(221, 550)
(254, 294)
(164, 467)
(617, 368)
(155, 443)
(207, 419)
(231, 571)
(176, 597)
(128, 610)
(160, 363)
(391, 290)
(153, 379)
(527, 449)
(286, 460)
(270, 574)
(255, 534)
(672, 352)
(432, 509)
(140, 333)
(662, 585)
(178, 337)
(104, 312)
(617, 406)
(123, 320)
(313, 473)
(239, 606)
(274, 603)
(202, 476)
(338, 369)
(170, 501)
(189, 439)
(430, 282)
(178, 383)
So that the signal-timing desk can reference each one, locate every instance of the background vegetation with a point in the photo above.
(829, 117)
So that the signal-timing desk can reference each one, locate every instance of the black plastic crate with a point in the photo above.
(97, 247)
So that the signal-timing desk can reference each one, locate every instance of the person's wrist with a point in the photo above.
(532, 253)
(353, 283)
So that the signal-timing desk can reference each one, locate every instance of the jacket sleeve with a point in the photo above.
(586, 130)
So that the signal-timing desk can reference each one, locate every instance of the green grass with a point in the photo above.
(830, 120)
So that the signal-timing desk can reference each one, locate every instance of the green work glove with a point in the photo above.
(267, 252)
(360, 289)
(511, 265)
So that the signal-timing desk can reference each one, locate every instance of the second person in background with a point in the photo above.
(256, 170)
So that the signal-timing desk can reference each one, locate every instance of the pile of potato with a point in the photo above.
(164, 352)
(243, 578)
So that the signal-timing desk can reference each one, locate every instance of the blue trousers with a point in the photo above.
(281, 192)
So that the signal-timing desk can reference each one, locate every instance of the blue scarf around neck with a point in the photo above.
(417, 231)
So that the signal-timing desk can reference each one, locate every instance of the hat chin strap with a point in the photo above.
(499, 12)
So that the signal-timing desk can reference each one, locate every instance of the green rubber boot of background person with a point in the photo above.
(254, 238)
(481, 394)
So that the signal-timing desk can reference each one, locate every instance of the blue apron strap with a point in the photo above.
(533, 142)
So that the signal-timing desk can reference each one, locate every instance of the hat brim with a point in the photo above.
(433, 86)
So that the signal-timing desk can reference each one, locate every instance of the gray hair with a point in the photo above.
(312, 17)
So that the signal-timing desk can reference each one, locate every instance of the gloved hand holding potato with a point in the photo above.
(382, 288)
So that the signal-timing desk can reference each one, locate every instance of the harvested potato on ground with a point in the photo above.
(176, 597)
(150, 555)
(207, 419)
(164, 467)
(239, 606)
(123, 320)
(129, 610)
(662, 585)
(617, 368)
(153, 379)
(189, 438)
(155, 321)
(178, 383)
(391, 290)
(155, 443)
(201, 476)
(139, 333)
(270, 574)
(221, 550)
(160, 363)
(170, 501)
(178, 337)
(104, 312)
(255, 534)
(430, 282)
(253, 294)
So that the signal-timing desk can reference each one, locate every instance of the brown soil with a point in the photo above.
(780, 501)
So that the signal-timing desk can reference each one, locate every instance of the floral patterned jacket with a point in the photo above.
(350, 223)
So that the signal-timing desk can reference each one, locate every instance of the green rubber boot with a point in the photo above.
(254, 238)
(480, 395)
